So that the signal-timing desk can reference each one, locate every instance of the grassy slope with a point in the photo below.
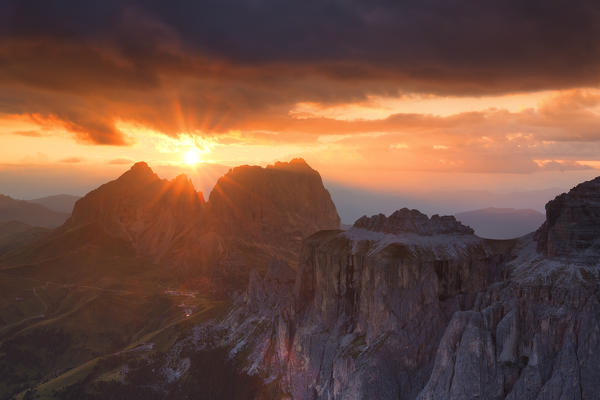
(60, 314)
(162, 338)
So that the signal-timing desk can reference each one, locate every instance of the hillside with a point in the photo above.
(15, 234)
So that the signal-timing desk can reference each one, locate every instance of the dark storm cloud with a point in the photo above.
(460, 46)
(223, 64)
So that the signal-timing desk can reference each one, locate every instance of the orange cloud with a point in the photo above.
(71, 160)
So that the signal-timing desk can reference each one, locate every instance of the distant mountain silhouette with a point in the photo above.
(354, 202)
(29, 213)
(62, 203)
(502, 223)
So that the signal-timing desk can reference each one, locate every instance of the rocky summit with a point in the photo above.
(279, 205)
(149, 212)
(412, 221)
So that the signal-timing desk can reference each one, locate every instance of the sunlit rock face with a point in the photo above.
(150, 212)
(397, 309)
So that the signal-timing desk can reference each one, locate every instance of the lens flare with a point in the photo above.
(191, 157)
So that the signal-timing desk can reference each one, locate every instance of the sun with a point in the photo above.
(191, 157)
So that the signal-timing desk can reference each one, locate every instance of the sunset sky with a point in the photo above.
(405, 97)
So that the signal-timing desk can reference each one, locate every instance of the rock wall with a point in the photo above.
(521, 342)
(572, 227)
(365, 315)
(407, 307)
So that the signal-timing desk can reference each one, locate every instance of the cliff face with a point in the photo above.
(521, 342)
(366, 311)
(380, 303)
(410, 307)
(536, 335)
(572, 227)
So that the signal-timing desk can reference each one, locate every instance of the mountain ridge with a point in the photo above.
(502, 223)
(29, 213)
(62, 203)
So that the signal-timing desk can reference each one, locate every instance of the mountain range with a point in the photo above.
(29, 213)
(502, 223)
(151, 291)
(62, 203)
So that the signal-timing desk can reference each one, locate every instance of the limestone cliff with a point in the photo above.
(572, 227)
(366, 310)
(410, 307)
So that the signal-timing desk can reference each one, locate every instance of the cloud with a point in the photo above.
(71, 160)
(237, 70)
(562, 165)
(245, 64)
(121, 161)
(28, 133)
(419, 45)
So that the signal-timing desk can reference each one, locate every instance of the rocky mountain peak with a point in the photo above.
(140, 172)
(572, 226)
(141, 166)
(138, 203)
(282, 203)
(249, 207)
(295, 165)
(412, 221)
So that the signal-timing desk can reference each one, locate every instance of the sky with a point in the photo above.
(386, 99)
